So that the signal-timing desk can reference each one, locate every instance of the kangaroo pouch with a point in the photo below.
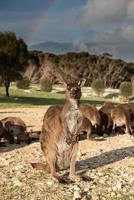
(63, 155)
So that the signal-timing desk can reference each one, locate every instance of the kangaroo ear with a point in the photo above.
(82, 82)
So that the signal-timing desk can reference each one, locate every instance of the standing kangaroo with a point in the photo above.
(61, 126)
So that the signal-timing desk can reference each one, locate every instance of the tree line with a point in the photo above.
(15, 59)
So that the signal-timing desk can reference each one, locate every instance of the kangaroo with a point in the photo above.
(92, 114)
(106, 121)
(15, 128)
(120, 117)
(1, 130)
(129, 107)
(58, 139)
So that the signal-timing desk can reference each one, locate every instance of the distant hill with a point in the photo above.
(52, 47)
(64, 47)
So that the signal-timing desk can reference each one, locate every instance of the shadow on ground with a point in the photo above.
(92, 162)
(105, 158)
(42, 101)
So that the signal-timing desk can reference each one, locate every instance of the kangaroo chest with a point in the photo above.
(73, 120)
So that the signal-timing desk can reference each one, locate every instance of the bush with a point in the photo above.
(1, 82)
(46, 84)
(126, 89)
(98, 86)
(132, 81)
(23, 83)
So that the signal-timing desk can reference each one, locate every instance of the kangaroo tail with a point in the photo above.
(40, 166)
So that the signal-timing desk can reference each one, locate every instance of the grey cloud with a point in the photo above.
(131, 9)
(105, 11)
(79, 46)
(119, 42)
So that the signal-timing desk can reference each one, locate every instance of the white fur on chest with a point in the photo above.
(73, 120)
(62, 144)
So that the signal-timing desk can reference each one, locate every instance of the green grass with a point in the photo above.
(19, 98)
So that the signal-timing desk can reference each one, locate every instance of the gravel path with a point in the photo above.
(106, 163)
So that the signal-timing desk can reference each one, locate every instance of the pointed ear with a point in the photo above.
(82, 82)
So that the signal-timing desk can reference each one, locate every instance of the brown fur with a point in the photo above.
(129, 107)
(106, 121)
(15, 127)
(1, 130)
(61, 126)
(121, 117)
(92, 114)
(107, 107)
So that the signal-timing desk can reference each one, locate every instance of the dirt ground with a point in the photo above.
(107, 164)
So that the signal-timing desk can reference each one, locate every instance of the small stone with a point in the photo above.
(76, 188)
(114, 188)
(105, 135)
(109, 189)
(49, 182)
(119, 186)
(112, 194)
(77, 195)
(86, 189)
(16, 182)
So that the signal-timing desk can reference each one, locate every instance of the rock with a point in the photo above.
(119, 185)
(77, 195)
(112, 194)
(49, 182)
(105, 135)
(76, 188)
(16, 182)
(3, 162)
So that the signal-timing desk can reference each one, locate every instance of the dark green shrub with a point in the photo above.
(1, 82)
(23, 83)
(132, 81)
(98, 86)
(46, 84)
(126, 89)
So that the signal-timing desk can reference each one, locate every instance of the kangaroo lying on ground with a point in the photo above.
(1, 130)
(15, 128)
(61, 126)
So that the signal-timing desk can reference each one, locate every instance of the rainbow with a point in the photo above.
(39, 22)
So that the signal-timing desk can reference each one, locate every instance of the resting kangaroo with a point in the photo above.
(61, 126)
(92, 114)
(120, 117)
(15, 127)
(1, 130)
(106, 121)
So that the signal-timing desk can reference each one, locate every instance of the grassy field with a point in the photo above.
(35, 97)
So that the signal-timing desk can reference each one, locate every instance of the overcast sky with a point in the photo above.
(107, 23)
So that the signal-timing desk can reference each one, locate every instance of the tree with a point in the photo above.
(98, 86)
(46, 83)
(13, 57)
(125, 89)
(23, 83)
